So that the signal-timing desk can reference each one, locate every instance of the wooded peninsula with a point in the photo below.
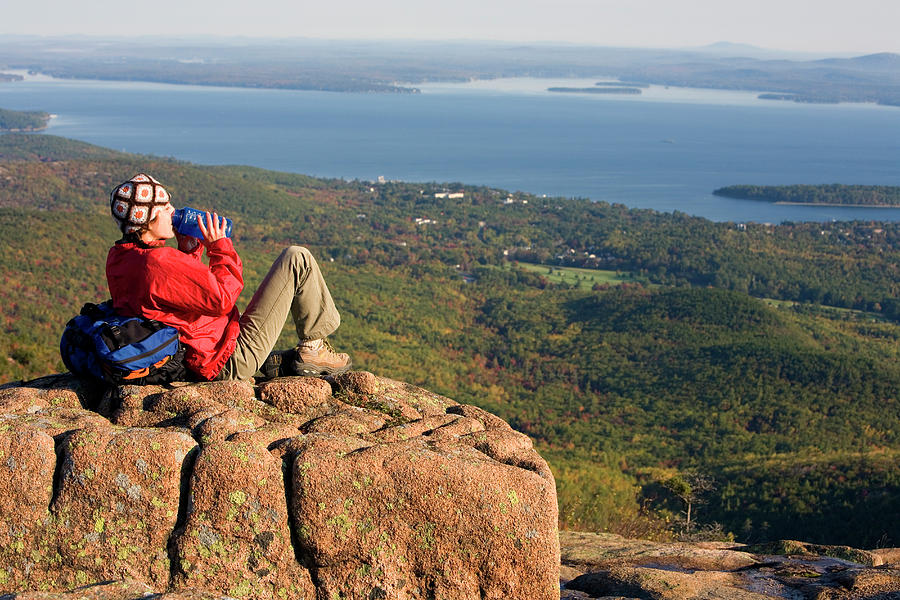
(19, 121)
(831, 195)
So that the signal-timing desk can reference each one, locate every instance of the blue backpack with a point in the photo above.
(101, 345)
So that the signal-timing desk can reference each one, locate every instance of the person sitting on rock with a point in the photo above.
(148, 279)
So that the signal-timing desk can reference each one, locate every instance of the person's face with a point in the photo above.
(160, 228)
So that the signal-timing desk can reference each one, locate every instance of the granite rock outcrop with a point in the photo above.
(609, 566)
(360, 487)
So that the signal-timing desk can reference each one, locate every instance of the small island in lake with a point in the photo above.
(834, 194)
(19, 121)
(595, 90)
(777, 96)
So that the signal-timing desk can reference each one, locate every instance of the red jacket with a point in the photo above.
(165, 284)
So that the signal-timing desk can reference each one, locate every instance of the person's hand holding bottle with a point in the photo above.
(214, 229)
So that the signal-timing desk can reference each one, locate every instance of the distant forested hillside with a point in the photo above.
(851, 195)
(789, 406)
(379, 66)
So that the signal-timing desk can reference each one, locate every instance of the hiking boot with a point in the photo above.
(278, 364)
(317, 357)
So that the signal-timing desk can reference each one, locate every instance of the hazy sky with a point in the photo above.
(813, 25)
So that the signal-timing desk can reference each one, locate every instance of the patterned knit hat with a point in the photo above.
(135, 203)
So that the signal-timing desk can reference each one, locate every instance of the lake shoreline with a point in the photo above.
(496, 84)
(837, 204)
(519, 138)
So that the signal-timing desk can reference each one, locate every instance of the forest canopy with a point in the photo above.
(763, 358)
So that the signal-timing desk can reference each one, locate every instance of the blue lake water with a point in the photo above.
(666, 149)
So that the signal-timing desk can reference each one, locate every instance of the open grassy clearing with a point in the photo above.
(582, 278)
(586, 278)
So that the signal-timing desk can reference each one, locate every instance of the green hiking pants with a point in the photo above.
(295, 286)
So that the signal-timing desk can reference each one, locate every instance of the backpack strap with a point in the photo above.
(115, 333)
(90, 310)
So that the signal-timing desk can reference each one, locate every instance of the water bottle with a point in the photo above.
(184, 221)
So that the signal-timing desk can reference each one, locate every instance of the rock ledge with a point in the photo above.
(362, 487)
(609, 566)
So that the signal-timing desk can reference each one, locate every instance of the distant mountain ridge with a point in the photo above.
(887, 61)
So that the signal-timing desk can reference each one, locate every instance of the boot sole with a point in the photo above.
(310, 370)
